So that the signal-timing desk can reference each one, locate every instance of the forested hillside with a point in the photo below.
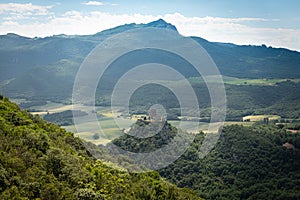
(45, 68)
(258, 162)
(39, 160)
(280, 98)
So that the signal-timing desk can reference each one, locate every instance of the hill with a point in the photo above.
(257, 162)
(44, 68)
(39, 160)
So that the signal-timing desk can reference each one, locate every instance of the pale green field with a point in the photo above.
(190, 126)
(106, 128)
(255, 118)
(240, 123)
(105, 134)
(241, 81)
(49, 107)
(109, 129)
(59, 107)
(244, 81)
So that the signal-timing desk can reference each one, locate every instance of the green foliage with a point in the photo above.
(165, 132)
(39, 160)
(246, 163)
(281, 99)
(293, 126)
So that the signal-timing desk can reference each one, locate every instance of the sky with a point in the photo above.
(274, 23)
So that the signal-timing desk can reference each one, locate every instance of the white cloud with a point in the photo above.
(26, 9)
(233, 30)
(93, 3)
(10, 23)
(74, 22)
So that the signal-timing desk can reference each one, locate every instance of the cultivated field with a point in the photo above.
(105, 129)
(255, 118)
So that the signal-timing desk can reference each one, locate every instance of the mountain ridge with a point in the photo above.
(160, 23)
(30, 66)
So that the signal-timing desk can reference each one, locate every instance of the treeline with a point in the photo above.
(63, 118)
(242, 100)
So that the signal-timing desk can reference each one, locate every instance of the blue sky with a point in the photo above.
(271, 22)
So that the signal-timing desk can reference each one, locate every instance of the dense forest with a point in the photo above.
(257, 162)
(39, 160)
(281, 98)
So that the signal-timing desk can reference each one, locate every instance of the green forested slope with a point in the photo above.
(281, 98)
(246, 163)
(39, 160)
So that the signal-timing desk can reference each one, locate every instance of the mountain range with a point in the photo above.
(45, 68)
